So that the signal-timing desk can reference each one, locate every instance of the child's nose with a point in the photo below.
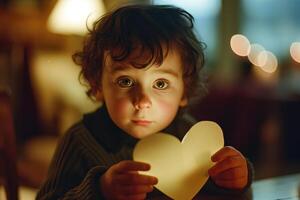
(142, 101)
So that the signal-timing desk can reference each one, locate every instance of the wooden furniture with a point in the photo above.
(8, 154)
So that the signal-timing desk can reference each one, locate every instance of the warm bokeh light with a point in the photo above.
(255, 51)
(262, 58)
(72, 16)
(240, 45)
(268, 61)
(265, 77)
(295, 51)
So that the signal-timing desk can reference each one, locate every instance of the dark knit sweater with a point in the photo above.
(89, 148)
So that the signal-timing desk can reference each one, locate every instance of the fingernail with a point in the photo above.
(147, 166)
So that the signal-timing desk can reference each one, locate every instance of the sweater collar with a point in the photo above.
(104, 130)
(110, 136)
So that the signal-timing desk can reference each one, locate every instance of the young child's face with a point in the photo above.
(143, 101)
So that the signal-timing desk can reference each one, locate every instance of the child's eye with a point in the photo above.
(161, 84)
(125, 82)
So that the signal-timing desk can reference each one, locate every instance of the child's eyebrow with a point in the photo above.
(168, 71)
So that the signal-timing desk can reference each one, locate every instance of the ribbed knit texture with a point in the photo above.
(87, 150)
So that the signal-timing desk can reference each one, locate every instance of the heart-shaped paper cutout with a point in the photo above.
(181, 167)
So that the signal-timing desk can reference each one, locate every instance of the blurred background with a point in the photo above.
(252, 68)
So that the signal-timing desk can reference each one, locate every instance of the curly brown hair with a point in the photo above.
(154, 29)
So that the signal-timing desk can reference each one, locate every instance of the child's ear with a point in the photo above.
(183, 102)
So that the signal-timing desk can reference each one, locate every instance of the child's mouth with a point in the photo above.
(141, 122)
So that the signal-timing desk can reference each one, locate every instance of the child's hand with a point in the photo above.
(122, 181)
(230, 170)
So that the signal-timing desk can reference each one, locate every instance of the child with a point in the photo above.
(142, 61)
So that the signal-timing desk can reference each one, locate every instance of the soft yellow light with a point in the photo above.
(270, 62)
(73, 16)
(240, 45)
(262, 58)
(253, 56)
(295, 51)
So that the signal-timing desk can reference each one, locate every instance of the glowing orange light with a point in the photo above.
(72, 16)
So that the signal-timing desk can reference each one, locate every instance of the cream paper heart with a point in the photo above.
(181, 167)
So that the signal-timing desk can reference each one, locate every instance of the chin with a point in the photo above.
(140, 134)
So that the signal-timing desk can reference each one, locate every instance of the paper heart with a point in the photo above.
(181, 167)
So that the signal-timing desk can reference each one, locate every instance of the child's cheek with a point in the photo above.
(167, 110)
(121, 106)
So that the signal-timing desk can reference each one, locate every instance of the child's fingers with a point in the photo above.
(236, 184)
(232, 174)
(128, 165)
(225, 152)
(226, 164)
(135, 189)
(135, 179)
